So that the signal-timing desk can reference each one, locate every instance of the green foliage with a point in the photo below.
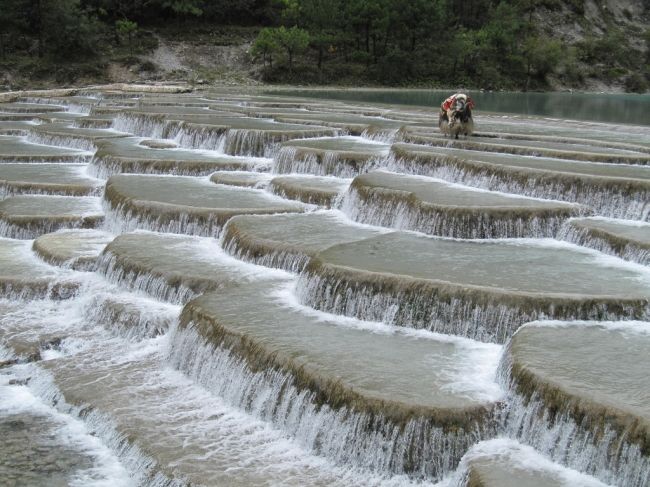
(271, 40)
(483, 43)
(293, 41)
(265, 45)
(126, 28)
(636, 83)
(184, 7)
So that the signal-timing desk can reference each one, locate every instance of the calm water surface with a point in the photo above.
(621, 108)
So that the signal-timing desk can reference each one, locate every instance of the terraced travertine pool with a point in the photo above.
(214, 288)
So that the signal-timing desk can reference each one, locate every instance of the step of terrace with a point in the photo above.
(627, 239)
(28, 216)
(315, 190)
(47, 178)
(75, 249)
(586, 381)
(479, 289)
(180, 204)
(614, 190)
(437, 207)
(348, 377)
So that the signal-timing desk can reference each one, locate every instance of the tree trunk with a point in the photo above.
(320, 57)
(38, 25)
(367, 27)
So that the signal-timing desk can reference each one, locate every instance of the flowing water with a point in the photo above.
(234, 289)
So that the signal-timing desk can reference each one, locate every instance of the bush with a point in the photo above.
(395, 68)
(636, 83)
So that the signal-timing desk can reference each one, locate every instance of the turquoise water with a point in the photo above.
(621, 108)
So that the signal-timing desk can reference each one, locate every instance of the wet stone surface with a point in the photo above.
(233, 287)
(32, 454)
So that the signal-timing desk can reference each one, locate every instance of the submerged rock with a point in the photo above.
(618, 191)
(315, 190)
(241, 178)
(180, 204)
(173, 267)
(539, 148)
(479, 289)
(129, 155)
(17, 149)
(76, 249)
(289, 241)
(505, 463)
(437, 207)
(627, 239)
(581, 395)
(373, 397)
(53, 179)
(29, 216)
(24, 276)
(63, 135)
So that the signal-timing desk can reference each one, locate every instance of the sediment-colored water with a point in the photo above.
(236, 289)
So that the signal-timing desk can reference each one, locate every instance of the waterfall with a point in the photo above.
(146, 280)
(627, 199)
(195, 136)
(293, 159)
(292, 260)
(126, 317)
(575, 441)
(608, 244)
(386, 208)
(143, 125)
(123, 218)
(417, 448)
(69, 141)
(443, 307)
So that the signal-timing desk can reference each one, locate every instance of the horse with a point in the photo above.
(456, 116)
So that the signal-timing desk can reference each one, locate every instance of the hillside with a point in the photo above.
(512, 44)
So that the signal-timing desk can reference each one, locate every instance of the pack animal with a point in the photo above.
(456, 116)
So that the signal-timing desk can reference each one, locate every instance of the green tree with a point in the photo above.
(13, 22)
(322, 18)
(127, 28)
(265, 45)
(63, 28)
(541, 56)
(184, 7)
(293, 41)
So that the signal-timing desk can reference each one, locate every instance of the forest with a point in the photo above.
(490, 44)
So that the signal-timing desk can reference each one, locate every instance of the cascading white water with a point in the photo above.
(155, 286)
(611, 201)
(141, 125)
(70, 141)
(469, 316)
(403, 214)
(582, 236)
(570, 441)
(291, 159)
(122, 219)
(348, 437)
(221, 419)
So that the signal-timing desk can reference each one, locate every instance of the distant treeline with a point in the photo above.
(482, 43)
